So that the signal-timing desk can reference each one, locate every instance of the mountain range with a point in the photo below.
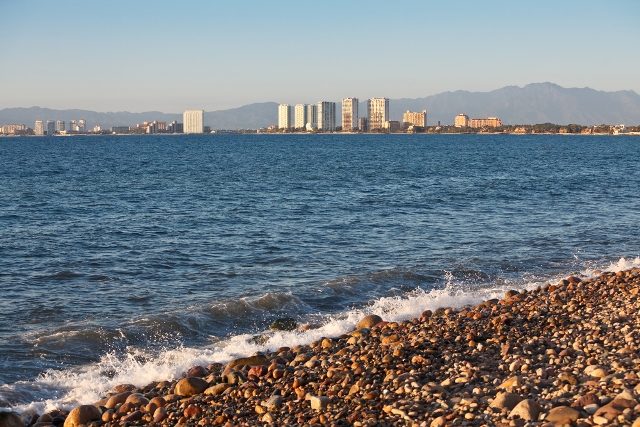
(533, 103)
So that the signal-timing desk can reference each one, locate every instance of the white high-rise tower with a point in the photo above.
(193, 121)
(349, 114)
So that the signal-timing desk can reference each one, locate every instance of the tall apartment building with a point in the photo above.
(300, 116)
(377, 112)
(60, 126)
(415, 118)
(51, 127)
(489, 122)
(350, 114)
(38, 127)
(312, 117)
(327, 116)
(193, 121)
(285, 116)
(461, 121)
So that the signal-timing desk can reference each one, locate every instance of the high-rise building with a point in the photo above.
(489, 122)
(73, 126)
(51, 127)
(175, 127)
(285, 116)
(312, 117)
(327, 116)
(461, 121)
(60, 126)
(300, 116)
(38, 128)
(415, 118)
(362, 125)
(378, 112)
(193, 121)
(82, 125)
(349, 114)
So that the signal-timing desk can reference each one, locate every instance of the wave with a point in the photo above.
(140, 365)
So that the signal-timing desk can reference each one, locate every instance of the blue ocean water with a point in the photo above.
(130, 258)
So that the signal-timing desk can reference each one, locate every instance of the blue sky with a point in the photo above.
(170, 55)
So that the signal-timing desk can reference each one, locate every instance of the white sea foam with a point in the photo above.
(89, 383)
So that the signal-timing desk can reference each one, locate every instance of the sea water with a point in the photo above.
(128, 259)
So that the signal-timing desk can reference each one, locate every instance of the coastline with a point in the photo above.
(562, 354)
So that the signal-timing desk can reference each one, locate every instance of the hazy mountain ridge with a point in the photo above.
(533, 103)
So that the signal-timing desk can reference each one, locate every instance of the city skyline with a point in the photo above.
(118, 59)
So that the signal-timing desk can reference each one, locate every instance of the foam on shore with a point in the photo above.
(87, 384)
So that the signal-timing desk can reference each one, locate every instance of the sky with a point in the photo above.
(157, 55)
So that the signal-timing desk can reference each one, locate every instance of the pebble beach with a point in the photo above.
(566, 353)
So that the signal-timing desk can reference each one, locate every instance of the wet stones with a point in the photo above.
(190, 386)
(284, 324)
(82, 415)
(10, 419)
(369, 321)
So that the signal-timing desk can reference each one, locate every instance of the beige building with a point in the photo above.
(415, 118)
(377, 112)
(489, 122)
(193, 121)
(38, 128)
(461, 121)
(300, 116)
(349, 114)
(285, 116)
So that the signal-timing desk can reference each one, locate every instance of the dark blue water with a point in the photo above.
(153, 243)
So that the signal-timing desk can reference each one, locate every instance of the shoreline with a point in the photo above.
(562, 354)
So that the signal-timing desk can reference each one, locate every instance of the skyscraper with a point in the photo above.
(193, 121)
(349, 114)
(378, 112)
(312, 117)
(300, 119)
(38, 127)
(285, 118)
(327, 116)
(60, 126)
(51, 127)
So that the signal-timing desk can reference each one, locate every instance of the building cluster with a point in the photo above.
(322, 117)
(463, 121)
(46, 127)
(192, 122)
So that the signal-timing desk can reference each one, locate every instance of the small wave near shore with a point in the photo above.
(139, 365)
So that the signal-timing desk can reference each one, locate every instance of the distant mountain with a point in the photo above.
(533, 103)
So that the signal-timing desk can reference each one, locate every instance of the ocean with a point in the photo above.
(129, 259)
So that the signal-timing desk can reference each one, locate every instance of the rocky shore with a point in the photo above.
(563, 354)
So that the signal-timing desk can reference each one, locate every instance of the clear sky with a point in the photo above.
(140, 55)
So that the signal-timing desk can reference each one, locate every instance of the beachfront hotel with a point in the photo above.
(285, 118)
(193, 121)
(461, 121)
(327, 116)
(349, 114)
(489, 122)
(415, 118)
(377, 112)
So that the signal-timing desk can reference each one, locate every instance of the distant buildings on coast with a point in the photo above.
(319, 117)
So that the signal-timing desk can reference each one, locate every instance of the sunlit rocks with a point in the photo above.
(82, 415)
